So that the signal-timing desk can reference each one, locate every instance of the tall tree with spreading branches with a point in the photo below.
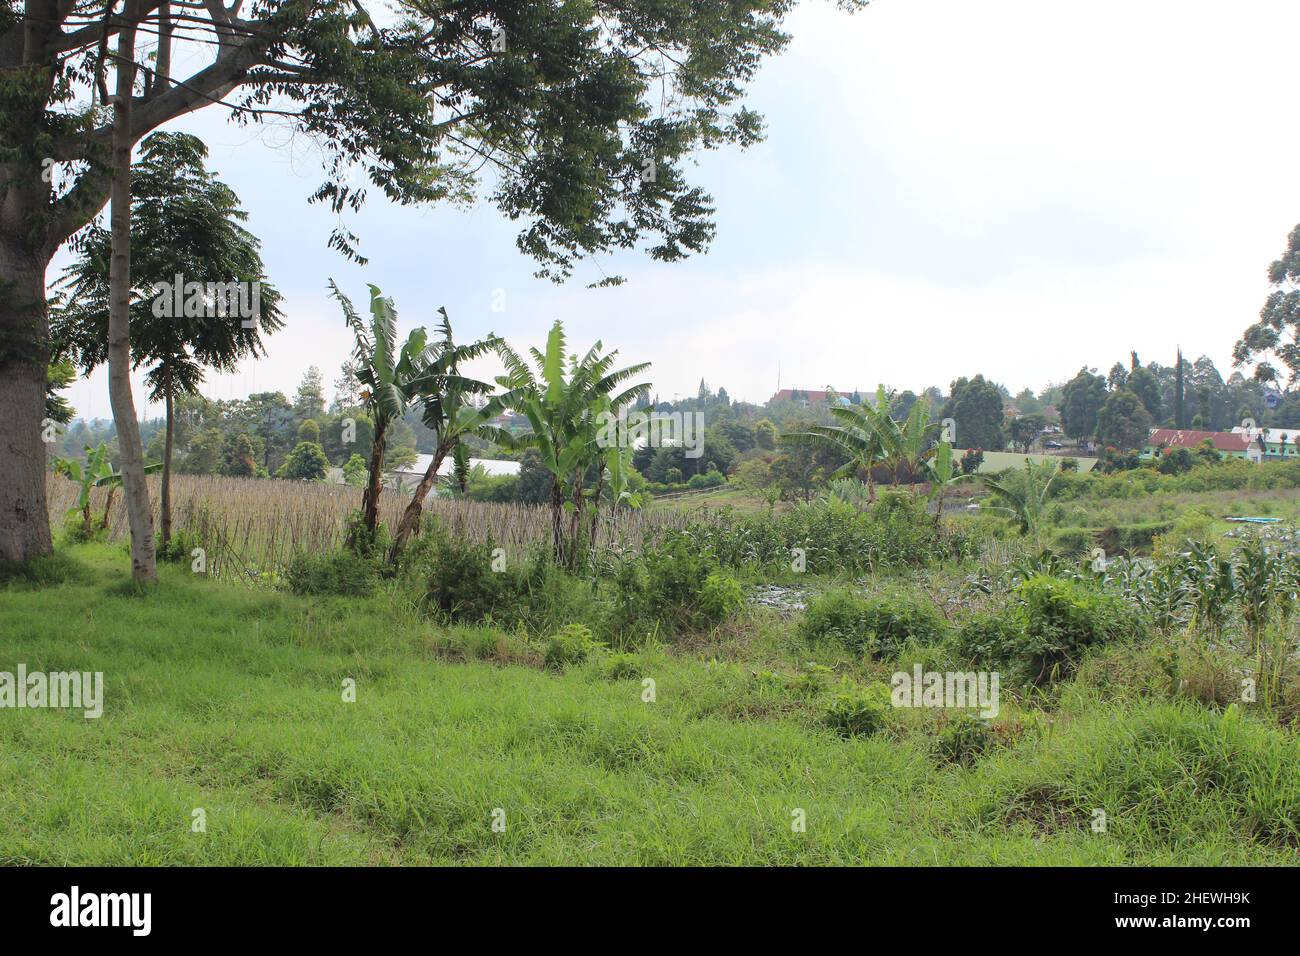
(584, 112)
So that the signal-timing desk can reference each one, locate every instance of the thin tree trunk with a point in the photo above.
(163, 60)
(557, 506)
(595, 506)
(411, 516)
(374, 484)
(135, 489)
(108, 506)
(166, 505)
(575, 522)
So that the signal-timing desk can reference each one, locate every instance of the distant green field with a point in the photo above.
(999, 460)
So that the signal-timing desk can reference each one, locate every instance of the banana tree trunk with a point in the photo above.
(557, 532)
(374, 483)
(108, 506)
(144, 566)
(595, 506)
(411, 516)
(575, 521)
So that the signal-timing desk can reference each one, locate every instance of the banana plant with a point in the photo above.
(95, 472)
(387, 376)
(563, 402)
(856, 434)
(870, 436)
(1022, 495)
(454, 407)
(614, 468)
(943, 473)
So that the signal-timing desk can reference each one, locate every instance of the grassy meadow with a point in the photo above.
(230, 700)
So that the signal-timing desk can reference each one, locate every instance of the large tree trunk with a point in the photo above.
(139, 511)
(166, 494)
(411, 516)
(24, 359)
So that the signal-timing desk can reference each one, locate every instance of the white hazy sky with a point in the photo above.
(948, 187)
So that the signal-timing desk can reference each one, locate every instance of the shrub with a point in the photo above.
(720, 597)
(988, 637)
(572, 644)
(877, 625)
(838, 615)
(461, 581)
(342, 573)
(710, 479)
(856, 713)
(964, 738)
(75, 531)
(676, 583)
(622, 667)
(1058, 620)
(835, 536)
(180, 548)
(364, 541)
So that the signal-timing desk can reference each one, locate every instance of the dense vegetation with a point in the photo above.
(649, 714)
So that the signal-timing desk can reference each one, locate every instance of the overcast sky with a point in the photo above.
(947, 187)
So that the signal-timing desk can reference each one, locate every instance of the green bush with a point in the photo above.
(364, 541)
(964, 739)
(572, 644)
(74, 530)
(622, 667)
(342, 573)
(1046, 628)
(1058, 620)
(468, 582)
(880, 625)
(675, 584)
(856, 712)
(720, 597)
(461, 582)
(987, 637)
(835, 536)
(710, 479)
(179, 549)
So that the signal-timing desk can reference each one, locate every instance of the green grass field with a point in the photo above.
(230, 701)
(1001, 460)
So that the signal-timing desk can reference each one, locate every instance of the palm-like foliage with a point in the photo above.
(943, 472)
(564, 403)
(869, 436)
(185, 222)
(1022, 495)
(389, 378)
(454, 407)
(95, 472)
